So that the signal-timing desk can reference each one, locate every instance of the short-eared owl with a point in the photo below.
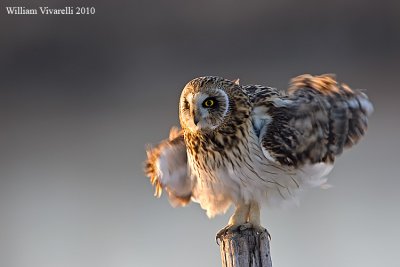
(250, 144)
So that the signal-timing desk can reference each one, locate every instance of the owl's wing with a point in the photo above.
(167, 168)
(312, 123)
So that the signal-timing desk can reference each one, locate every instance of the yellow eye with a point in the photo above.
(208, 103)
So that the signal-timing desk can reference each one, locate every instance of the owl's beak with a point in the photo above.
(195, 115)
(196, 118)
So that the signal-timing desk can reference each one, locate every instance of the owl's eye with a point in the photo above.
(209, 102)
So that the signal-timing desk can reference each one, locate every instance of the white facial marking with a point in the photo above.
(226, 100)
(197, 117)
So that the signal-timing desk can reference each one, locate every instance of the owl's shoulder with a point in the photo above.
(260, 93)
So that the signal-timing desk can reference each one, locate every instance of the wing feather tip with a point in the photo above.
(326, 84)
(150, 169)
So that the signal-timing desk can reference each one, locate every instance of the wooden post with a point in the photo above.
(246, 248)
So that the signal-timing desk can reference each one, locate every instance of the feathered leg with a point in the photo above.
(254, 218)
(238, 219)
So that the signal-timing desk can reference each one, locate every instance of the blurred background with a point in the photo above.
(81, 96)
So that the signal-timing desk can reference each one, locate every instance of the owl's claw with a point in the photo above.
(241, 227)
(227, 229)
(257, 227)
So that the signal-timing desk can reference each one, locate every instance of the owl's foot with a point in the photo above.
(230, 228)
(240, 227)
(238, 218)
(259, 229)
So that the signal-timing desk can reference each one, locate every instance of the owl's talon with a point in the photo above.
(226, 230)
(261, 229)
(257, 227)
(246, 226)
(241, 227)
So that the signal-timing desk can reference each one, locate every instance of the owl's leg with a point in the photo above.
(254, 214)
(254, 219)
(238, 219)
(240, 215)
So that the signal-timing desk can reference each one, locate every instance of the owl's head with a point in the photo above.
(208, 103)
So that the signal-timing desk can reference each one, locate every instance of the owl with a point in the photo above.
(250, 145)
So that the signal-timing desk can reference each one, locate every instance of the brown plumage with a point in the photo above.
(174, 150)
(251, 144)
(323, 117)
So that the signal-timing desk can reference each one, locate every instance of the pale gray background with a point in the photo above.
(81, 96)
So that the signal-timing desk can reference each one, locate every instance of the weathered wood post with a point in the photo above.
(246, 248)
